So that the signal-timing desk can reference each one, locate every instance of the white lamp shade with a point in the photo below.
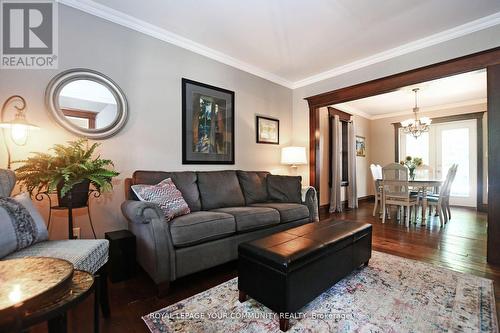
(293, 155)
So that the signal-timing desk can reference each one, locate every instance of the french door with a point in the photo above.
(444, 145)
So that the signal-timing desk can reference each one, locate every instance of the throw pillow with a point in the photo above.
(21, 224)
(284, 188)
(166, 195)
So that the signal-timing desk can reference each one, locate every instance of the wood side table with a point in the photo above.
(37, 289)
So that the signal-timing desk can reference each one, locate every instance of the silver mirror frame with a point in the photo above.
(52, 102)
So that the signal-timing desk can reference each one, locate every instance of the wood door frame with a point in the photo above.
(489, 59)
(478, 116)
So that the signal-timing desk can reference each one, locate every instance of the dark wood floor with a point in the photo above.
(460, 246)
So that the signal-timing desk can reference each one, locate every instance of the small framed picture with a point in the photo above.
(360, 146)
(267, 130)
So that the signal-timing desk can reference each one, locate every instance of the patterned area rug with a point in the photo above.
(392, 294)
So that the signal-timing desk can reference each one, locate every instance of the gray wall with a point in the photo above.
(150, 72)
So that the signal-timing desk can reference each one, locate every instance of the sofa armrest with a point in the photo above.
(310, 199)
(140, 211)
(155, 252)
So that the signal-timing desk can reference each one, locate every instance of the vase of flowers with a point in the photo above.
(412, 163)
(70, 171)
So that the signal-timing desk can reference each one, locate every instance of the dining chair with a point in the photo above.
(441, 201)
(377, 176)
(424, 172)
(396, 191)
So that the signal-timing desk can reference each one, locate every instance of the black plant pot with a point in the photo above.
(79, 195)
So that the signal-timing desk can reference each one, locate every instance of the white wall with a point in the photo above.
(475, 42)
(149, 71)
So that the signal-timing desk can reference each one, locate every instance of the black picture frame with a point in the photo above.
(217, 147)
(258, 137)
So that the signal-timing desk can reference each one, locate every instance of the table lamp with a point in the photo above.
(293, 156)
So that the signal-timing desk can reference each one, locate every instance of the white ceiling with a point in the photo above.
(452, 91)
(297, 42)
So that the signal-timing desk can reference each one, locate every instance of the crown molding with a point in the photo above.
(128, 21)
(458, 31)
(352, 110)
(471, 102)
(120, 18)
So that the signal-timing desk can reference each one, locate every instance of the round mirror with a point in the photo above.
(87, 103)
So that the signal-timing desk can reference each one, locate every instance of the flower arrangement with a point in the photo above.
(412, 163)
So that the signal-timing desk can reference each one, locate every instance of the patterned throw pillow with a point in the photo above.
(166, 195)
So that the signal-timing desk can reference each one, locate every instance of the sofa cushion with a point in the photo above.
(254, 185)
(251, 218)
(200, 227)
(85, 254)
(284, 188)
(185, 181)
(220, 189)
(288, 211)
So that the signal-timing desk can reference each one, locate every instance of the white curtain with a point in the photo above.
(352, 193)
(335, 202)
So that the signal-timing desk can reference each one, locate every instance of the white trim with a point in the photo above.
(146, 28)
(425, 109)
(115, 16)
(353, 110)
(458, 31)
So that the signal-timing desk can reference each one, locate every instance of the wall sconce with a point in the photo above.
(19, 127)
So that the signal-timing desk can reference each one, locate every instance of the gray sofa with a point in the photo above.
(227, 208)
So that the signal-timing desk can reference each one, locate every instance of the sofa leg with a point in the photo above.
(284, 324)
(103, 291)
(242, 297)
(163, 289)
(366, 262)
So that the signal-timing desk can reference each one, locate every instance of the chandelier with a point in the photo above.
(415, 126)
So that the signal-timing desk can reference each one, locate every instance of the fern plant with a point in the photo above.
(68, 165)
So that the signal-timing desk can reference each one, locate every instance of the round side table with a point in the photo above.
(37, 289)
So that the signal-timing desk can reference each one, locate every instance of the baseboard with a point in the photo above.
(483, 208)
(323, 209)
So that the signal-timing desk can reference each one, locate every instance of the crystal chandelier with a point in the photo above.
(416, 126)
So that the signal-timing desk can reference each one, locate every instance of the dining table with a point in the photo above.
(422, 186)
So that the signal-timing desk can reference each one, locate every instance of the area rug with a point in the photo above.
(392, 294)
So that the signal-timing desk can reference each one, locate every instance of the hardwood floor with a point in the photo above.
(460, 246)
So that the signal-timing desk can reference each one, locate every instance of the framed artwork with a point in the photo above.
(207, 124)
(267, 130)
(360, 146)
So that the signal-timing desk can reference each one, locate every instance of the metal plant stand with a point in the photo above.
(92, 193)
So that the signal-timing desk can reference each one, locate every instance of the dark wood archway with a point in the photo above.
(489, 59)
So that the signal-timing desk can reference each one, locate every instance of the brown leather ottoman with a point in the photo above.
(287, 270)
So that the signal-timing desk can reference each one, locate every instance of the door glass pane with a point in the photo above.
(417, 147)
(455, 149)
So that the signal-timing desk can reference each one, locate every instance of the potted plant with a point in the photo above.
(69, 170)
(412, 164)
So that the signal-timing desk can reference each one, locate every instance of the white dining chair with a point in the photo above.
(441, 201)
(424, 172)
(396, 191)
(376, 171)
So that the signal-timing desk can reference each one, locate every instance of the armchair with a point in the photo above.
(87, 255)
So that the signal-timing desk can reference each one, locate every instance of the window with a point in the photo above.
(414, 147)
